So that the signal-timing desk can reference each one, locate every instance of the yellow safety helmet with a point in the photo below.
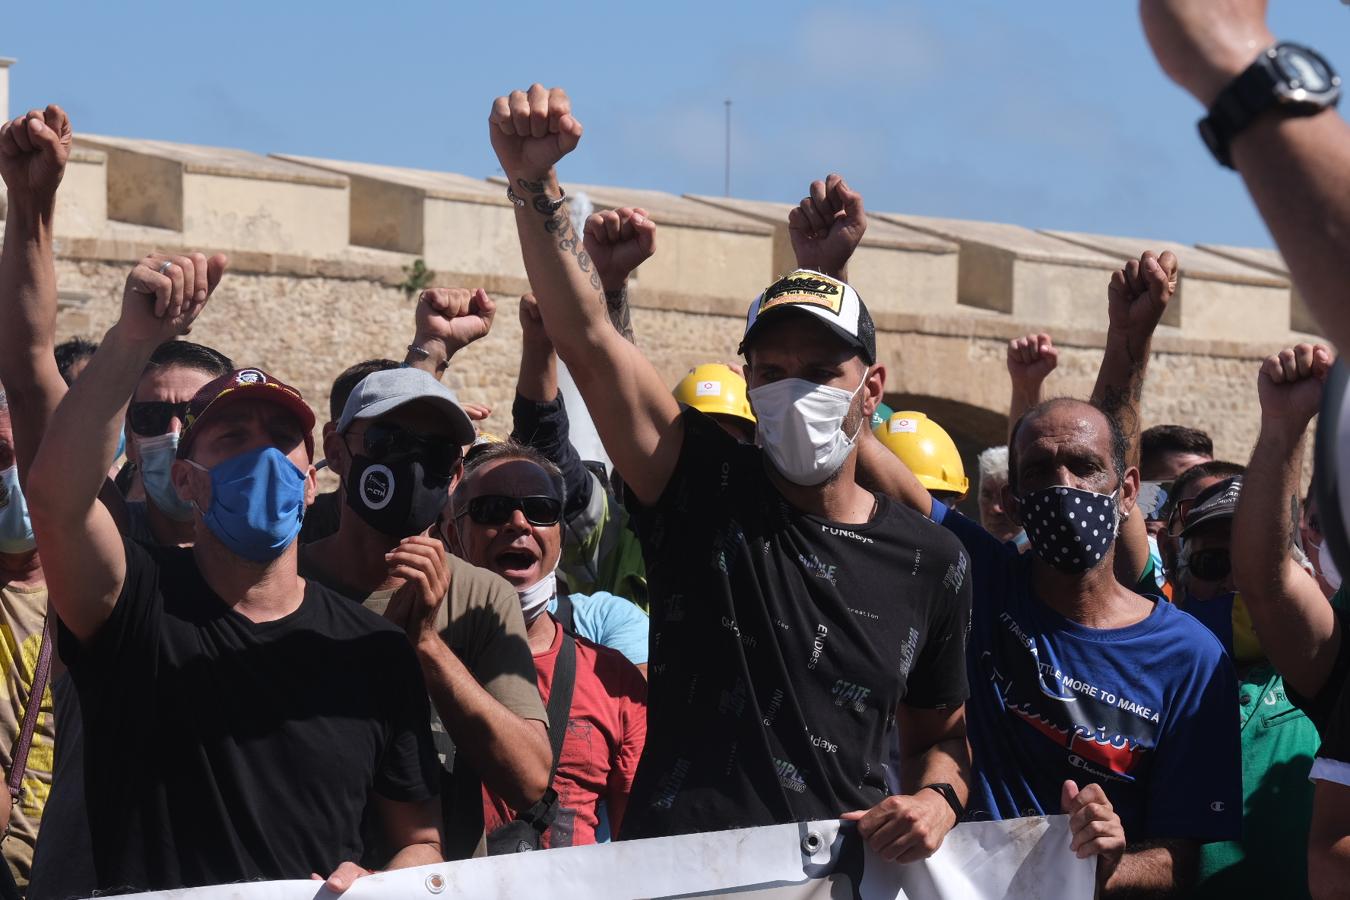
(715, 389)
(927, 449)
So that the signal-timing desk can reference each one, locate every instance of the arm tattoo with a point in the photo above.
(1293, 518)
(616, 304)
(559, 224)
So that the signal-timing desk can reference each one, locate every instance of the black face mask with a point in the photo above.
(396, 497)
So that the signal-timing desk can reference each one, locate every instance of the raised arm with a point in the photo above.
(539, 416)
(1298, 628)
(1297, 169)
(446, 321)
(1136, 300)
(638, 419)
(33, 153)
(82, 552)
(827, 226)
(1031, 359)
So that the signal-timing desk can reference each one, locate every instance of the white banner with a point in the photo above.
(1019, 859)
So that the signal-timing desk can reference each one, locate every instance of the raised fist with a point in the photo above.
(618, 241)
(164, 295)
(1139, 292)
(1290, 384)
(827, 226)
(454, 316)
(1204, 44)
(33, 153)
(532, 323)
(531, 130)
(1031, 359)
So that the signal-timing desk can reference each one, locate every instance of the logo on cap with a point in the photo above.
(250, 376)
(906, 426)
(804, 289)
(377, 487)
(708, 389)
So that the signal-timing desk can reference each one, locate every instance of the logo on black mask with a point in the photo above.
(377, 487)
(396, 497)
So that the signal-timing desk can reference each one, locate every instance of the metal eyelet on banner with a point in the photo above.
(435, 883)
(811, 843)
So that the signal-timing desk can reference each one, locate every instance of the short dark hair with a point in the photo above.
(482, 454)
(70, 352)
(1215, 468)
(188, 355)
(351, 376)
(1161, 440)
(1120, 445)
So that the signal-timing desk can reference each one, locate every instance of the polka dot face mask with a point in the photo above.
(1069, 528)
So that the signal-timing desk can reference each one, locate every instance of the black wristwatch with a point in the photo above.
(949, 794)
(1290, 78)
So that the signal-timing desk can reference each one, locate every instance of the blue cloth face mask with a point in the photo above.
(16, 531)
(157, 456)
(257, 503)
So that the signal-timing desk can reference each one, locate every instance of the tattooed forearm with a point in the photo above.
(616, 304)
(559, 224)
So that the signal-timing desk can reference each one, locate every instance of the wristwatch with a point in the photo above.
(1290, 78)
(949, 794)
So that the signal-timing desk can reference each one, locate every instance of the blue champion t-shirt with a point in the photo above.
(1146, 711)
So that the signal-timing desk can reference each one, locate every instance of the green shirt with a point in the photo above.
(1278, 745)
(601, 553)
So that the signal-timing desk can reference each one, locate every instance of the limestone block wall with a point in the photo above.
(82, 203)
(1216, 298)
(895, 269)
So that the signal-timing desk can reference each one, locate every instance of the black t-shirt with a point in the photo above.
(219, 749)
(1330, 708)
(781, 644)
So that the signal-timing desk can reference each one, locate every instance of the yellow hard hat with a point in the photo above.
(715, 389)
(927, 449)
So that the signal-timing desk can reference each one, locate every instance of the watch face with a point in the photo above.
(1303, 67)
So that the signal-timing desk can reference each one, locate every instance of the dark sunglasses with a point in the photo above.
(439, 454)
(1176, 520)
(151, 418)
(497, 509)
(1213, 564)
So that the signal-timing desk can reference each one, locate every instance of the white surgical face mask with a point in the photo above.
(535, 598)
(800, 427)
(16, 531)
(1330, 574)
(157, 456)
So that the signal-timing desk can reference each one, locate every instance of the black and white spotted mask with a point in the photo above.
(1070, 529)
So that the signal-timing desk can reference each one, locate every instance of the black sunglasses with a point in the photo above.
(439, 454)
(151, 418)
(1212, 564)
(497, 509)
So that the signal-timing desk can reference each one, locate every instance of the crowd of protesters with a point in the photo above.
(770, 610)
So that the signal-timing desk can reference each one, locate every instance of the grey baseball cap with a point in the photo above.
(382, 392)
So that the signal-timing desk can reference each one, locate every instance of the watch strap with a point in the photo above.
(949, 794)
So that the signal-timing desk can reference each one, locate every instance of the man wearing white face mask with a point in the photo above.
(507, 514)
(795, 616)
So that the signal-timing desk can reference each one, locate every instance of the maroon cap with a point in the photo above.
(246, 386)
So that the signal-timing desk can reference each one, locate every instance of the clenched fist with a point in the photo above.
(453, 317)
(531, 130)
(827, 226)
(1138, 296)
(618, 241)
(33, 151)
(164, 295)
(1031, 359)
(1290, 385)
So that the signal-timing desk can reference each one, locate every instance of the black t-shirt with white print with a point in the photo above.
(781, 644)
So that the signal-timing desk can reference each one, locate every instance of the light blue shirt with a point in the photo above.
(610, 621)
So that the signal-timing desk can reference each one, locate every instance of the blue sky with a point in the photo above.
(1049, 113)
